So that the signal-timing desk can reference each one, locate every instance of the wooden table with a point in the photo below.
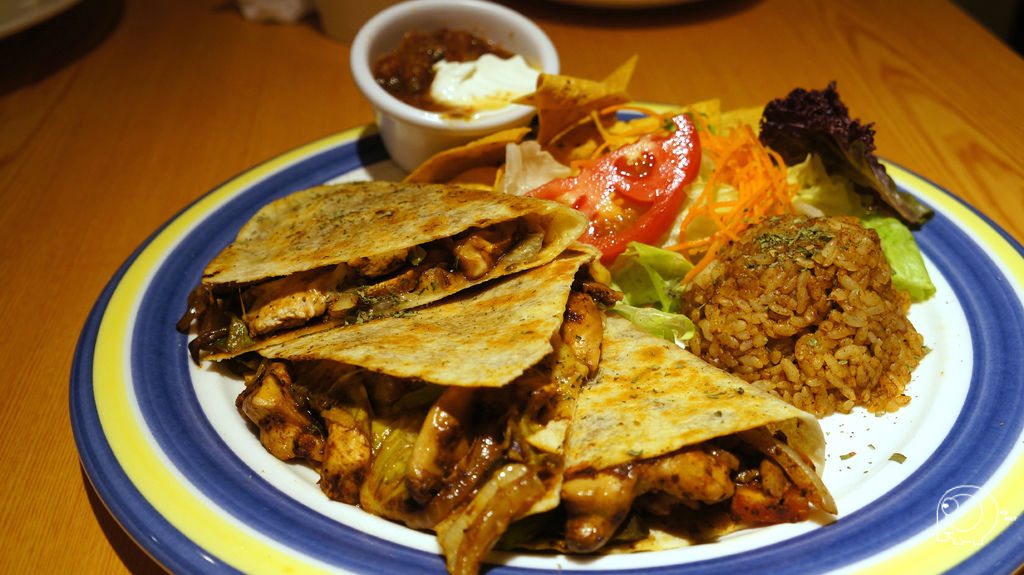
(117, 114)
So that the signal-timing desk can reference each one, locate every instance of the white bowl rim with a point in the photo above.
(388, 104)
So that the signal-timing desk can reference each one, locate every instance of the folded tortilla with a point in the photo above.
(669, 398)
(484, 337)
(475, 442)
(651, 398)
(343, 253)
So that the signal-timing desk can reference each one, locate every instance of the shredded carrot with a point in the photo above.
(758, 176)
(616, 140)
(606, 136)
(609, 140)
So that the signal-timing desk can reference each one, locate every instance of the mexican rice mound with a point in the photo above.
(804, 307)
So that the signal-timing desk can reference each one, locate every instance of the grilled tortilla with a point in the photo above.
(452, 417)
(480, 338)
(343, 253)
(660, 433)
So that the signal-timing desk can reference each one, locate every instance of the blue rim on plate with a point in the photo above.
(195, 505)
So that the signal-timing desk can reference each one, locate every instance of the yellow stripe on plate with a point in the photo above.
(125, 433)
(231, 543)
(982, 231)
(951, 543)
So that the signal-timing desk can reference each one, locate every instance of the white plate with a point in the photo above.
(181, 471)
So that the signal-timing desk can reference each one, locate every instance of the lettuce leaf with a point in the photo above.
(901, 251)
(817, 122)
(674, 327)
(822, 194)
(648, 276)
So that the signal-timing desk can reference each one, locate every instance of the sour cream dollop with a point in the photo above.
(488, 83)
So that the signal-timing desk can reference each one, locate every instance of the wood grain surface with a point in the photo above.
(114, 115)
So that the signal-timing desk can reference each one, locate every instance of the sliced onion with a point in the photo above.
(796, 467)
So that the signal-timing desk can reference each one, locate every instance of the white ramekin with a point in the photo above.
(412, 135)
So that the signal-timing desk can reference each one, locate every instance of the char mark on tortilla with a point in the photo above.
(663, 438)
(349, 253)
(457, 447)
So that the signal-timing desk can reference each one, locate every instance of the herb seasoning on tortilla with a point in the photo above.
(460, 443)
(664, 439)
(507, 410)
(347, 253)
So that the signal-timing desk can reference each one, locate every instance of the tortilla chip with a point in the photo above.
(743, 116)
(480, 177)
(707, 112)
(577, 143)
(446, 166)
(561, 100)
(481, 338)
(619, 79)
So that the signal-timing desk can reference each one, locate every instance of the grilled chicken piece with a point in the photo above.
(393, 287)
(583, 329)
(601, 293)
(429, 273)
(433, 279)
(753, 506)
(381, 264)
(690, 475)
(770, 498)
(347, 453)
(285, 431)
(337, 392)
(290, 301)
(290, 310)
(797, 469)
(479, 251)
(597, 504)
(773, 478)
(441, 443)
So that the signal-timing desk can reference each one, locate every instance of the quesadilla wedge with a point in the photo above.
(346, 253)
(450, 418)
(483, 337)
(689, 451)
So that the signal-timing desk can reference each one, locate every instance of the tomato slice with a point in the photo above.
(634, 192)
